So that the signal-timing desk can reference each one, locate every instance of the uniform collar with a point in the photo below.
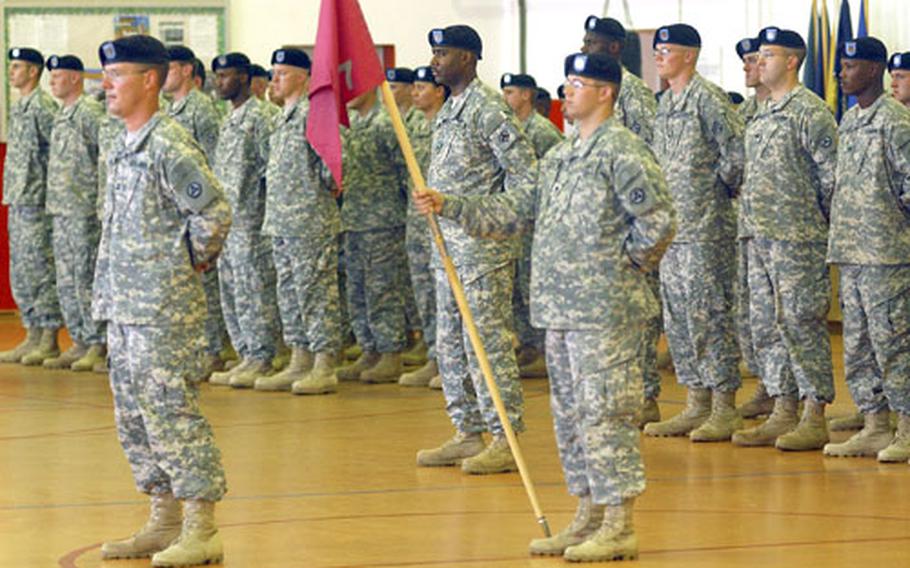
(139, 139)
(679, 101)
(70, 111)
(455, 104)
(239, 113)
(584, 147)
(178, 106)
(865, 116)
(777, 106)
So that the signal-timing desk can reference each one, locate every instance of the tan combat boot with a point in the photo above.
(899, 449)
(100, 367)
(67, 358)
(161, 529)
(353, 352)
(761, 404)
(531, 363)
(461, 446)
(615, 540)
(95, 354)
(47, 349)
(320, 379)
(247, 378)
(650, 412)
(588, 518)
(387, 370)
(223, 378)
(421, 377)
(15, 355)
(724, 420)
(875, 436)
(495, 458)
(199, 542)
(847, 423)
(352, 372)
(810, 434)
(300, 364)
(282, 358)
(783, 419)
(436, 383)
(416, 355)
(697, 410)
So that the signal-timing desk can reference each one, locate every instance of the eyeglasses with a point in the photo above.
(663, 51)
(768, 54)
(579, 84)
(118, 74)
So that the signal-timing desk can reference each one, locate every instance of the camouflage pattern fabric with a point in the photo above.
(28, 139)
(636, 106)
(109, 130)
(75, 251)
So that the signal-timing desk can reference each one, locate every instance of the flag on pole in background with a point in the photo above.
(814, 71)
(345, 65)
(833, 94)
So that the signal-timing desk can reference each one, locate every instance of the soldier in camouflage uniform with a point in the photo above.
(72, 195)
(870, 244)
(165, 218)
(373, 218)
(31, 260)
(195, 111)
(791, 148)
(635, 108)
(259, 85)
(519, 90)
(478, 149)
(698, 142)
(303, 220)
(245, 270)
(594, 328)
(760, 403)
(899, 68)
(428, 97)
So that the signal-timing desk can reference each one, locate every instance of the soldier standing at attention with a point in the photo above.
(165, 219)
(195, 111)
(72, 196)
(259, 86)
(478, 149)
(428, 97)
(519, 91)
(698, 142)
(246, 270)
(760, 403)
(302, 219)
(899, 67)
(604, 182)
(791, 156)
(635, 109)
(870, 244)
(31, 255)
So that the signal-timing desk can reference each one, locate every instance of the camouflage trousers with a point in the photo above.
(650, 336)
(341, 269)
(468, 401)
(154, 374)
(308, 292)
(596, 393)
(696, 288)
(789, 291)
(249, 300)
(875, 303)
(743, 320)
(215, 328)
(375, 264)
(31, 267)
(419, 246)
(75, 251)
(528, 336)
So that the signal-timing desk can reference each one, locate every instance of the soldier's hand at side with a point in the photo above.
(428, 201)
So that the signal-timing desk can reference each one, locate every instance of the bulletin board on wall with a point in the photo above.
(79, 31)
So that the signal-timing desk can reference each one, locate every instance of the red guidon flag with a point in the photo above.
(345, 65)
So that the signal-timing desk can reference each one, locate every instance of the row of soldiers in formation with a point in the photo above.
(643, 185)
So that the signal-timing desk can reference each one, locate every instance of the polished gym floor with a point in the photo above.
(330, 481)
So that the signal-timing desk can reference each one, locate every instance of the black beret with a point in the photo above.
(70, 62)
(133, 49)
(607, 27)
(257, 70)
(517, 80)
(784, 38)
(232, 60)
(735, 97)
(543, 94)
(899, 61)
(594, 65)
(399, 75)
(561, 92)
(677, 34)
(26, 54)
(462, 37)
(425, 75)
(291, 56)
(865, 48)
(181, 53)
(746, 46)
